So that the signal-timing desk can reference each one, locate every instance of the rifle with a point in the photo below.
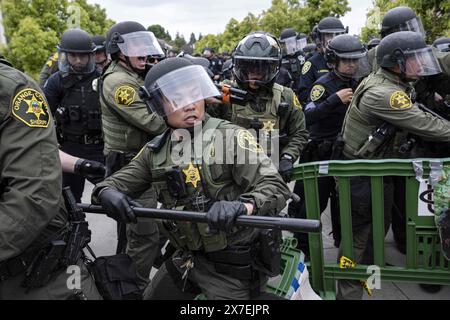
(263, 222)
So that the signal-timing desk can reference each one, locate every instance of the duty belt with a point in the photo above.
(84, 139)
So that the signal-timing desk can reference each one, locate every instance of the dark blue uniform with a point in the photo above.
(76, 109)
(312, 70)
(324, 115)
(290, 71)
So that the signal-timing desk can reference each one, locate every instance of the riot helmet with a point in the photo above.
(76, 52)
(174, 84)
(302, 41)
(408, 51)
(288, 42)
(373, 43)
(257, 60)
(327, 29)
(442, 44)
(401, 19)
(348, 57)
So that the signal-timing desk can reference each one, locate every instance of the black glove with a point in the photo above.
(118, 205)
(92, 170)
(223, 214)
(286, 167)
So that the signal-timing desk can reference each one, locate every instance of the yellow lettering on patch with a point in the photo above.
(306, 67)
(30, 107)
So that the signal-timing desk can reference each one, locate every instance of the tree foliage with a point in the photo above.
(301, 15)
(160, 32)
(34, 27)
(435, 15)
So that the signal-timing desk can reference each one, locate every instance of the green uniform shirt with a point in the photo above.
(127, 124)
(30, 191)
(255, 179)
(266, 108)
(384, 97)
(49, 68)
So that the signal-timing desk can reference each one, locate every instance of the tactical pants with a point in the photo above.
(143, 240)
(362, 230)
(56, 289)
(214, 285)
(86, 151)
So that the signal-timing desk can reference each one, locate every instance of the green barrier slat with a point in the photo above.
(390, 274)
(345, 217)
(378, 219)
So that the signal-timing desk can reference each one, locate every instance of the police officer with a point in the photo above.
(442, 44)
(75, 104)
(272, 111)
(382, 105)
(32, 213)
(188, 167)
(101, 58)
(293, 60)
(215, 63)
(330, 97)
(316, 66)
(127, 127)
(374, 42)
(50, 67)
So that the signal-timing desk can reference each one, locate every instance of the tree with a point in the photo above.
(160, 32)
(192, 39)
(300, 15)
(435, 15)
(34, 27)
(179, 41)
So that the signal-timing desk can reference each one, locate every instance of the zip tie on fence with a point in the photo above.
(418, 169)
(324, 167)
(436, 172)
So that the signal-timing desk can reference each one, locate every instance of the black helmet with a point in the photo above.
(76, 52)
(99, 42)
(77, 41)
(288, 41)
(348, 48)
(175, 83)
(442, 44)
(259, 53)
(327, 29)
(373, 43)
(401, 19)
(132, 39)
(409, 51)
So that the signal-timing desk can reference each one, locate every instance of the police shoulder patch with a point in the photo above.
(400, 100)
(317, 92)
(247, 141)
(125, 95)
(306, 67)
(297, 103)
(30, 107)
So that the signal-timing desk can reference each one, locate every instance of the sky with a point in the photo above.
(206, 16)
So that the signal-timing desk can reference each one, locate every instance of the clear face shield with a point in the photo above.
(327, 35)
(140, 44)
(414, 25)
(421, 63)
(443, 47)
(179, 89)
(289, 46)
(301, 43)
(76, 63)
(354, 65)
(259, 71)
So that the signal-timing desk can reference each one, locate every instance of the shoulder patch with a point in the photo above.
(297, 103)
(30, 107)
(247, 141)
(125, 95)
(306, 67)
(400, 100)
(317, 92)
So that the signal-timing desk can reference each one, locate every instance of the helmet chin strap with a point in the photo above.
(141, 73)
